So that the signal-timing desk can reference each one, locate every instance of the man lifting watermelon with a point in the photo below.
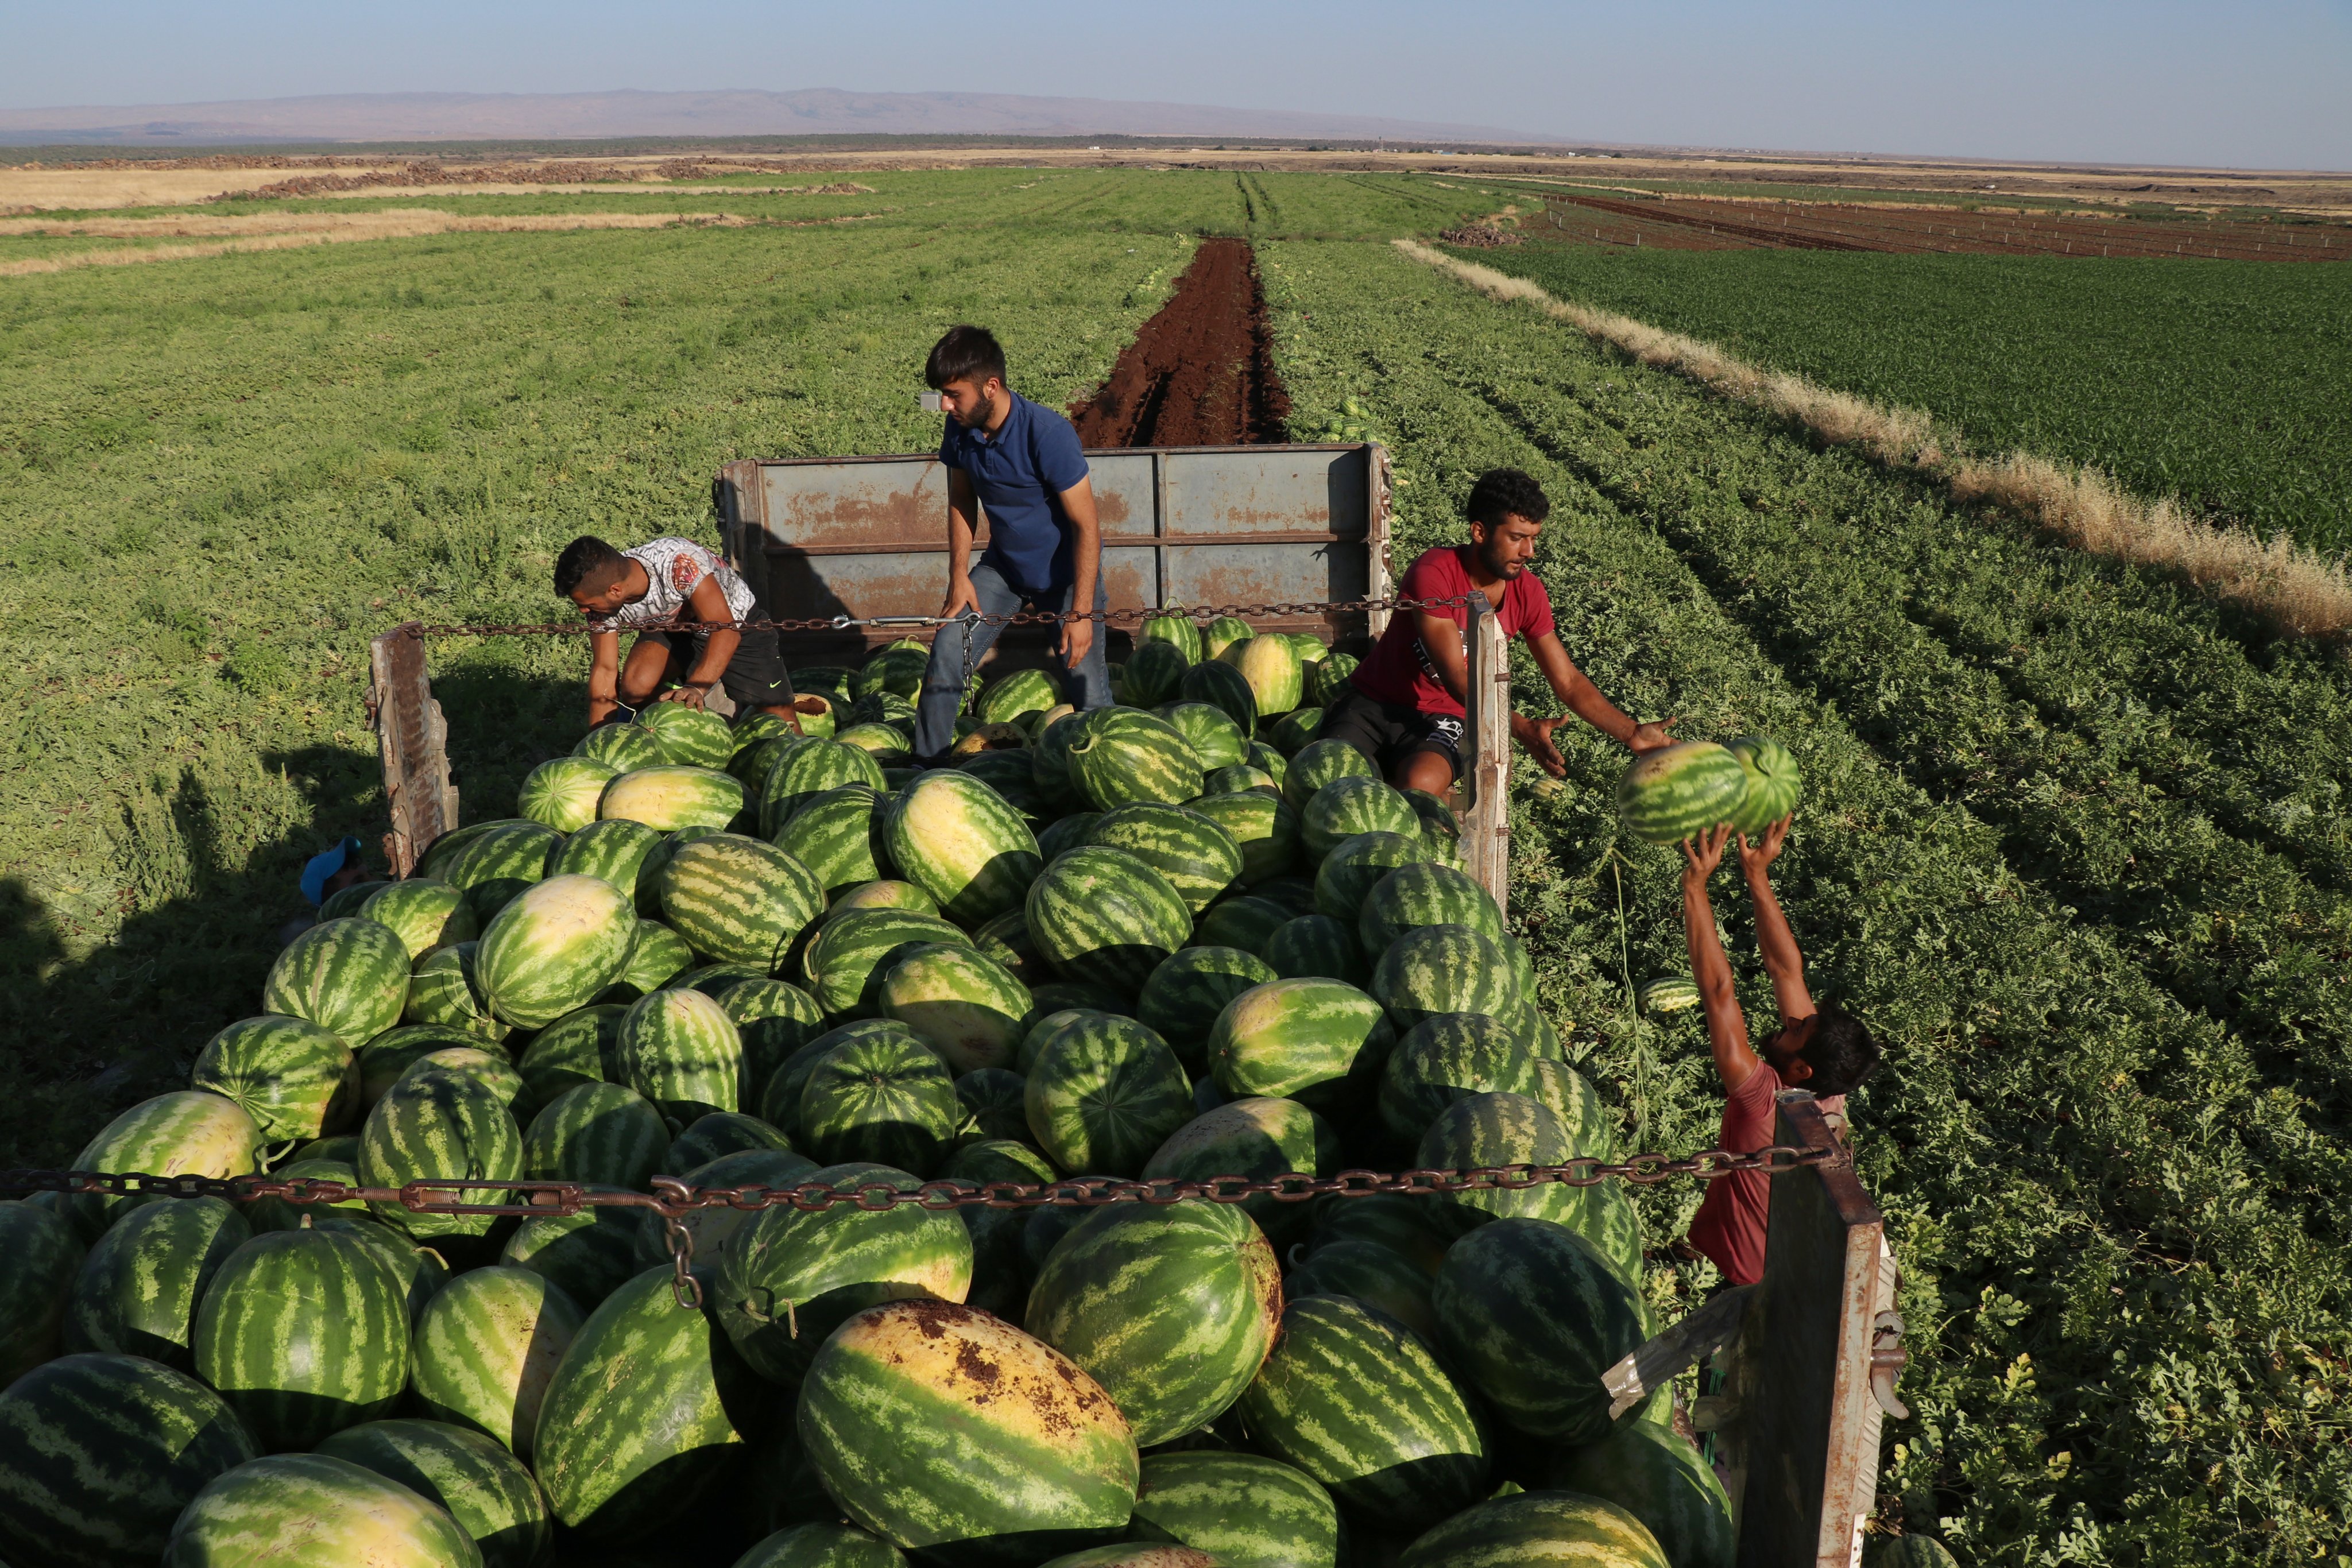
(1403, 708)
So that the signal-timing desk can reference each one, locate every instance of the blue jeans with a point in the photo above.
(1088, 686)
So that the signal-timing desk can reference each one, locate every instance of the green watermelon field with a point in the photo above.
(2074, 841)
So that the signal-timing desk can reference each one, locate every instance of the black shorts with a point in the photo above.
(1389, 733)
(754, 677)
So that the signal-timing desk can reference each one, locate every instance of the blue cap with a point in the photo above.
(324, 865)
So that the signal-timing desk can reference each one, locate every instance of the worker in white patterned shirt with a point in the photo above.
(683, 603)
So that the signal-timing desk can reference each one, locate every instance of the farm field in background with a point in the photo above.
(2074, 838)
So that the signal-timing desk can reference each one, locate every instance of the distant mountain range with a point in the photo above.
(814, 111)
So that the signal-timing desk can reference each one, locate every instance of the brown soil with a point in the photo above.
(429, 173)
(1199, 373)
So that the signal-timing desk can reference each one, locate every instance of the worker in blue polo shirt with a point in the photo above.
(1019, 462)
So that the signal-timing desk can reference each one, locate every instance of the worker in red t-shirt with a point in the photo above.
(1402, 707)
(1823, 1048)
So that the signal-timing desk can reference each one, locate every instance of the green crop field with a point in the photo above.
(2074, 840)
(2226, 384)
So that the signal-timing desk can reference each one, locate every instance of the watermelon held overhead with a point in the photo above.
(1774, 784)
(1679, 791)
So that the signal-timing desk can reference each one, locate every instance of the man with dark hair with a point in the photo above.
(683, 603)
(1403, 708)
(1018, 463)
(1823, 1048)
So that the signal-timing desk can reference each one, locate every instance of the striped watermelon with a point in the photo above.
(668, 798)
(1427, 893)
(780, 1099)
(136, 1294)
(553, 948)
(187, 1133)
(314, 1510)
(718, 1135)
(475, 1481)
(622, 1456)
(1198, 857)
(1608, 1219)
(349, 976)
(1122, 756)
(1216, 739)
(1254, 1137)
(996, 1441)
(1361, 1405)
(493, 1067)
(713, 980)
(1243, 1509)
(304, 1332)
(345, 902)
(1295, 731)
(1246, 923)
(578, 1048)
(625, 745)
(1442, 969)
(883, 894)
(883, 1098)
(789, 1276)
(1680, 791)
(1658, 1477)
(588, 1255)
(963, 1004)
(99, 1453)
(898, 668)
(1065, 833)
(1171, 1310)
(822, 1546)
(416, 1271)
(1321, 763)
(1045, 1027)
(1590, 1125)
(564, 792)
(1533, 1316)
(1223, 633)
(1224, 688)
(423, 913)
(1262, 826)
(1011, 696)
(1171, 625)
(679, 1050)
(294, 1078)
(1234, 780)
(44, 1255)
(712, 1229)
(1103, 916)
(752, 764)
(1001, 1271)
(959, 842)
(658, 955)
(1379, 1276)
(1296, 1039)
(773, 1019)
(1405, 1225)
(493, 861)
(1354, 867)
(691, 736)
(807, 771)
(1670, 994)
(1049, 761)
(1346, 807)
(1317, 944)
(1326, 678)
(601, 1133)
(1448, 1057)
(435, 1125)
(1537, 1527)
(446, 993)
(1482, 1131)
(1270, 762)
(1182, 999)
(1103, 1094)
(486, 1347)
(853, 954)
(1271, 666)
(737, 899)
(614, 849)
(1155, 673)
(838, 835)
(996, 1100)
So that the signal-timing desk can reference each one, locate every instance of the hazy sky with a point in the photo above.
(2255, 82)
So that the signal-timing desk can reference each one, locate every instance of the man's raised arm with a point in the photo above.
(1726, 1027)
(1782, 959)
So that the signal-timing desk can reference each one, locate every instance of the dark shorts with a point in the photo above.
(1388, 733)
(754, 677)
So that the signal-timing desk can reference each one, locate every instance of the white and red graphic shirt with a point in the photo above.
(675, 568)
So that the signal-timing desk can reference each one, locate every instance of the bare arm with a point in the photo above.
(1577, 693)
(1086, 565)
(603, 675)
(1782, 960)
(1726, 1028)
(709, 606)
(963, 523)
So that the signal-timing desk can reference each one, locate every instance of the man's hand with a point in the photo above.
(1703, 854)
(1078, 636)
(1754, 859)
(690, 696)
(1652, 736)
(962, 596)
(1535, 733)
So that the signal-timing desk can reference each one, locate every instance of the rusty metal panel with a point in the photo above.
(1262, 490)
(876, 502)
(1125, 487)
(1303, 573)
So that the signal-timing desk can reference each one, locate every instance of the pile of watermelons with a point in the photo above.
(1177, 938)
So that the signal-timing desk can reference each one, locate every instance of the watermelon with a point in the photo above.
(1000, 1270)
(1224, 688)
(752, 764)
(899, 669)
(1658, 1477)
(1443, 969)
(1262, 826)
(587, 1255)
(853, 954)
(425, 913)
(1537, 1527)
(1408, 1225)
(295, 1078)
(737, 899)
(886, 744)
(964, 1004)
(1104, 916)
(780, 1099)
(959, 842)
(1103, 1094)
(1271, 666)
(820, 1545)
(304, 1332)
(1216, 739)
(1351, 805)
(188, 1132)
(478, 1483)
(1049, 759)
(1243, 1509)
(1223, 633)
(1296, 1039)
(714, 980)
(658, 955)
(996, 1100)
(1171, 625)
(1317, 944)
(1063, 833)
(1155, 673)
(621, 1456)
(1357, 1402)
(1045, 1027)
(1009, 697)
(718, 1135)
(679, 1050)
(1294, 732)
(789, 1276)
(1426, 894)
(492, 1067)
(1670, 994)
(835, 682)
(1480, 1131)
(99, 1453)
(564, 792)
(1533, 1316)
(883, 1098)
(438, 1124)
(1254, 1137)
(615, 850)
(668, 798)
(136, 1294)
(1680, 791)
(883, 894)
(1323, 763)
(1123, 756)
(1912, 1550)
(1440, 828)
(1326, 678)
(348, 976)
(1196, 855)
(601, 1133)
(315, 1511)
(493, 861)
(999, 1442)
(1270, 762)
(1448, 1057)
(689, 737)
(773, 1020)
(712, 1229)
(1354, 867)
(621, 745)
(44, 1255)
(285, 1213)
(1182, 999)
(446, 994)
(1171, 1310)
(486, 1346)
(346, 902)
(751, 727)
(578, 1048)
(1233, 781)
(1379, 1276)
(553, 948)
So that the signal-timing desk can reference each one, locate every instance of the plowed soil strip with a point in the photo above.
(1200, 372)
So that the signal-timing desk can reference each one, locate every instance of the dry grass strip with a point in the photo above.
(2295, 588)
